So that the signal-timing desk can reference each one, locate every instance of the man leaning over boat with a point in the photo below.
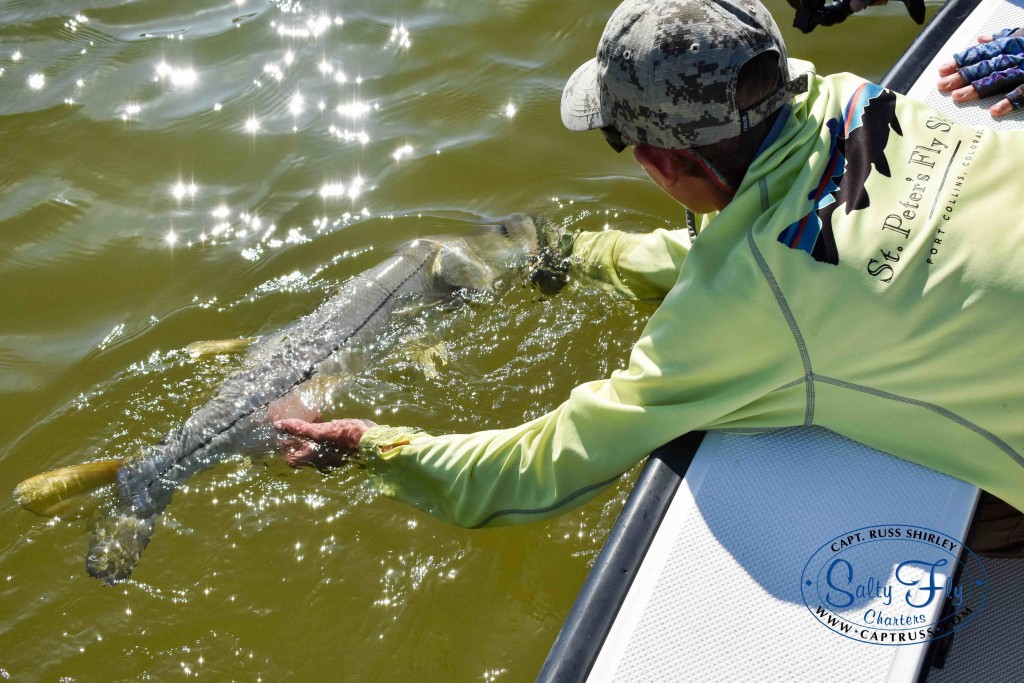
(856, 266)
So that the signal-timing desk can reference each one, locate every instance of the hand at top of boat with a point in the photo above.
(321, 444)
(995, 66)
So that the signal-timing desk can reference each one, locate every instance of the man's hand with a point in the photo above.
(993, 67)
(321, 444)
(548, 266)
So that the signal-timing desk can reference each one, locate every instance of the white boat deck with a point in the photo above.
(718, 596)
(989, 17)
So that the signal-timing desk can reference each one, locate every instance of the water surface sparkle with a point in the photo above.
(180, 190)
(400, 37)
(402, 152)
(184, 76)
(356, 109)
(332, 190)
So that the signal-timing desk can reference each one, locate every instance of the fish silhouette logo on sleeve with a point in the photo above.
(858, 146)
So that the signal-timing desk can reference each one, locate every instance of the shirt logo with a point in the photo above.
(858, 145)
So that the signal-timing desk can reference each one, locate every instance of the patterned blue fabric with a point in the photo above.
(998, 83)
(1016, 98)
(1009, 44)
(978, 71)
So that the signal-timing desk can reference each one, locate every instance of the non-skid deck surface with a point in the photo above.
(718, 596)
(990, 16)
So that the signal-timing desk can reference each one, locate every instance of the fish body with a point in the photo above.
(237, 415)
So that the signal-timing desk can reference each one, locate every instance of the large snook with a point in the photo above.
(279, 364)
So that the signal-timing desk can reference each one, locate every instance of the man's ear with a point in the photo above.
(660, 164)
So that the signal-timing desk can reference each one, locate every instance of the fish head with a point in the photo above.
(459, 266)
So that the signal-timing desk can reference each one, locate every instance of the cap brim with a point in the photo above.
(581, 101)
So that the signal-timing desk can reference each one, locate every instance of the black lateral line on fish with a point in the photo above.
(305, 376)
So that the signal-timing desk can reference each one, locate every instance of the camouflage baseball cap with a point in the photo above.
(666, 70)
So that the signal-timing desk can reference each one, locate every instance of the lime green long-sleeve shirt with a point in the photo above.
(868, 278)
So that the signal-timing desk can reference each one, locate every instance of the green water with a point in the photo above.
(177, 171)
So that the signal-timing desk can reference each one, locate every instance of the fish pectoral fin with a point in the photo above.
(215, 347)
(433, 359)
(429, 358)
(414, 306)
(51, 493)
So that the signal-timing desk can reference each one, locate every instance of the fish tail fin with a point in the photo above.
(51, 493)
(117, 542)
